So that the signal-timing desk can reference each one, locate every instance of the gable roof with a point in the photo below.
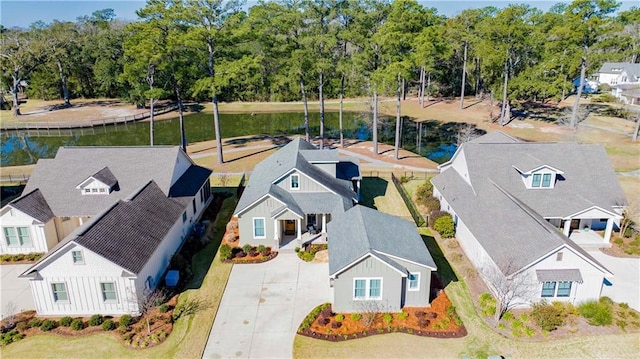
(361, 231)
(130, 167)
(286, 160)
(632, 70)
(34, 205)
(128, 232)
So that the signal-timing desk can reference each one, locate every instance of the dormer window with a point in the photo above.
(102, 182)
(541, 177)
(545, 183)
(295, 182)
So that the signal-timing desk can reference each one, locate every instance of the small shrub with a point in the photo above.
(508, 316)
(297, 249)
(456, 257)
(232, 225)
(225, 252)
(48, 325)
(163, 308)
(420, 314)
(66, 321)
(339, 317)
(618, 241)
(261, 249)
(434, 215)
(431, 315)
(623, 305)
(547, 316)
(10, 337)
(387, 317)
(405, 179)
(597, 313)
(424, 191)
(247, 248)
(403, 315)
(621, 324)
(431, 203)
(240, 254)
(22, 326)
(95, 320)
(35, 322)
(108, 325)
(323, 321)
(125, 320)
(445, 226)
(336, 325)
(356, 316)
(327, 313)
(502, 326)
(423, 322)
(77, 324)
(606, 300)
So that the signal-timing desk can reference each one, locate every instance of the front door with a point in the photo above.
(289, 227)
(575, 223)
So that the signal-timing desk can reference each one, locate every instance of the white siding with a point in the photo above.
(459, 164)
(182, 165)
(306, 184)
(11, 217)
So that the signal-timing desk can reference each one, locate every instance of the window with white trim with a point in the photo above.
(109, 292)
(367, 288)
(295, 181)
(414, 281)
(17, 236)
(77, 257)
(556, 289)
(258, 228)
(541, 180)
(59, 291)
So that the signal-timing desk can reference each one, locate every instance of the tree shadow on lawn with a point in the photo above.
(445, 272)
(372, 187)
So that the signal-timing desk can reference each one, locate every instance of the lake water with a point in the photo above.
(436, 142)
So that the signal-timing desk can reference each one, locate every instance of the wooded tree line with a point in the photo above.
(292, 50)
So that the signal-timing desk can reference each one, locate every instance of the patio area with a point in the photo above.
(289, 243)
(588, 239)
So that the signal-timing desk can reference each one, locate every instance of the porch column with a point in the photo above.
(608, 229)
(276, 230)
(567, 227)
(299, 228)
(324, 223)
(358, 190)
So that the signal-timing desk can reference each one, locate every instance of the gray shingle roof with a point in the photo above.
(128, 232)
(363, 230)
(495, 137)
(190, 182)
(632, 70)
(559, 275)
(105, 176)
(133, 167)
(320, 155)
(284, 161)
(33, 204)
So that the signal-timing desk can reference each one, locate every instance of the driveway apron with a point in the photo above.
(624, 284)
(15, 294)
(263, 305)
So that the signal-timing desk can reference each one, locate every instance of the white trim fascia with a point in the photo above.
(409, 289)
(258, 201)
(291, 182)
(284, 209)
(614, 215)
(15, 209)
(367, 288)
(253, 224)
(406, 260)
(561, 247)
(310, 177)
(368, 254)
(556, 170)
(90, 178)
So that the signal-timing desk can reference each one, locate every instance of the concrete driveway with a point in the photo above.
(15, 294)
(263, 305)
(625, 286)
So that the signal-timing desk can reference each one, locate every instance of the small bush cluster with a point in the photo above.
(163, 308)
(125, 321)
(434, 215)
(487, 304)
(48, 325)
(225, 252)
(423, 192)
(310, 252)
(311, 317)
(108, 325)
(32, 257)
(34, 323)
(10, 337)
(598, 313)
(445, 226)
(96, 320)
(77, 324)
(66, 321)
(548, 316)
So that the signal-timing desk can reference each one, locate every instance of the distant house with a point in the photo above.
(110, 219)
(589, 86)
(294, 193)
(531, 209)
(377, 262)
(624, 79)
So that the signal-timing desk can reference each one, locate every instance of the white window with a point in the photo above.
(556, 289)
(59, 292)
(367, 288)
(94, 190)
(87, 190)
(17, 236)
(541, 180)
(102, 190)
(77, 257)
(414, 281)
(109, 292)
(184, 216)
(258, 228)
(295, 181)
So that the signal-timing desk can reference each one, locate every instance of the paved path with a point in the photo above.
(263, 305)
(15, 294)
(626, 278)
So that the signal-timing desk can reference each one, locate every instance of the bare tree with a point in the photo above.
(224, 179)
(466, 133)
(629, 217)
(370, 309)
(150, 301)
(509, 290)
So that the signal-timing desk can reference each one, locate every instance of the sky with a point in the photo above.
(22, 13)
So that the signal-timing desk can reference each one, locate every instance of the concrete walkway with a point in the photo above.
(15, 294)
(263, 305)
(626, 280)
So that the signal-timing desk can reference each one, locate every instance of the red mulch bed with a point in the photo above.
(252, 260)
(435, 320)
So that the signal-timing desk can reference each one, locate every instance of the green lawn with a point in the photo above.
(381, 194)
(189, 334)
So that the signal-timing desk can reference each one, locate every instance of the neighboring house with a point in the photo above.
(296, 191)
(377, 262)
(589, 86)
(530, 209)
(623, 77)
(111, 218)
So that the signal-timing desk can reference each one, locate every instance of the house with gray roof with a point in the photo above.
(624, 79)
(294, 193)
(533, 210)
(377, 262)
(110, 219)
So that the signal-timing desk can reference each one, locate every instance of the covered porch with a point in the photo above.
(293, 230)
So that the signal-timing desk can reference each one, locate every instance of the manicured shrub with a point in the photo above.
(163, 308)
(225, 252)
(432, 203)
(547, 316)
(240, 254)
(297, 249)
(431, 315)
(434, 215)
(424, 191)
(339, 317)
(508, 316)
(48, 325)
(596, 313)
(356, 316)
(22, 325)
(35, 322)
(77, 324)
(445, 226)
(423, 322)
(261, 249)
(66, 321)
(403, 315)
(420, 314)
(323, 321)
(247, 248)
(125, 320)
(10, 337)
(327, 313)
(95, 320)
(387, 317)
(336, 325)
(623, 305)
(108, 325)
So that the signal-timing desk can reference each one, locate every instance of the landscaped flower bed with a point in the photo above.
(439, 320)
(310, 252)
(20, 258)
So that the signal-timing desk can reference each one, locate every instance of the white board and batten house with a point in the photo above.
(116, 222)
(532, 211)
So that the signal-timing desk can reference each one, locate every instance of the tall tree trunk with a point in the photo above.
(14, 92)
(63, 81)
(404, 95)
(421, 88)
(214, 103)
(375, 121)
(397, 143)
(576, 103)
(151, 124)
(183, 137)
(428, 87)
(321, 95)
(635, 132)
(503, 112)
(491, 107)
(464, 75)
(340, 116)
(477, 78)
(306, 109)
